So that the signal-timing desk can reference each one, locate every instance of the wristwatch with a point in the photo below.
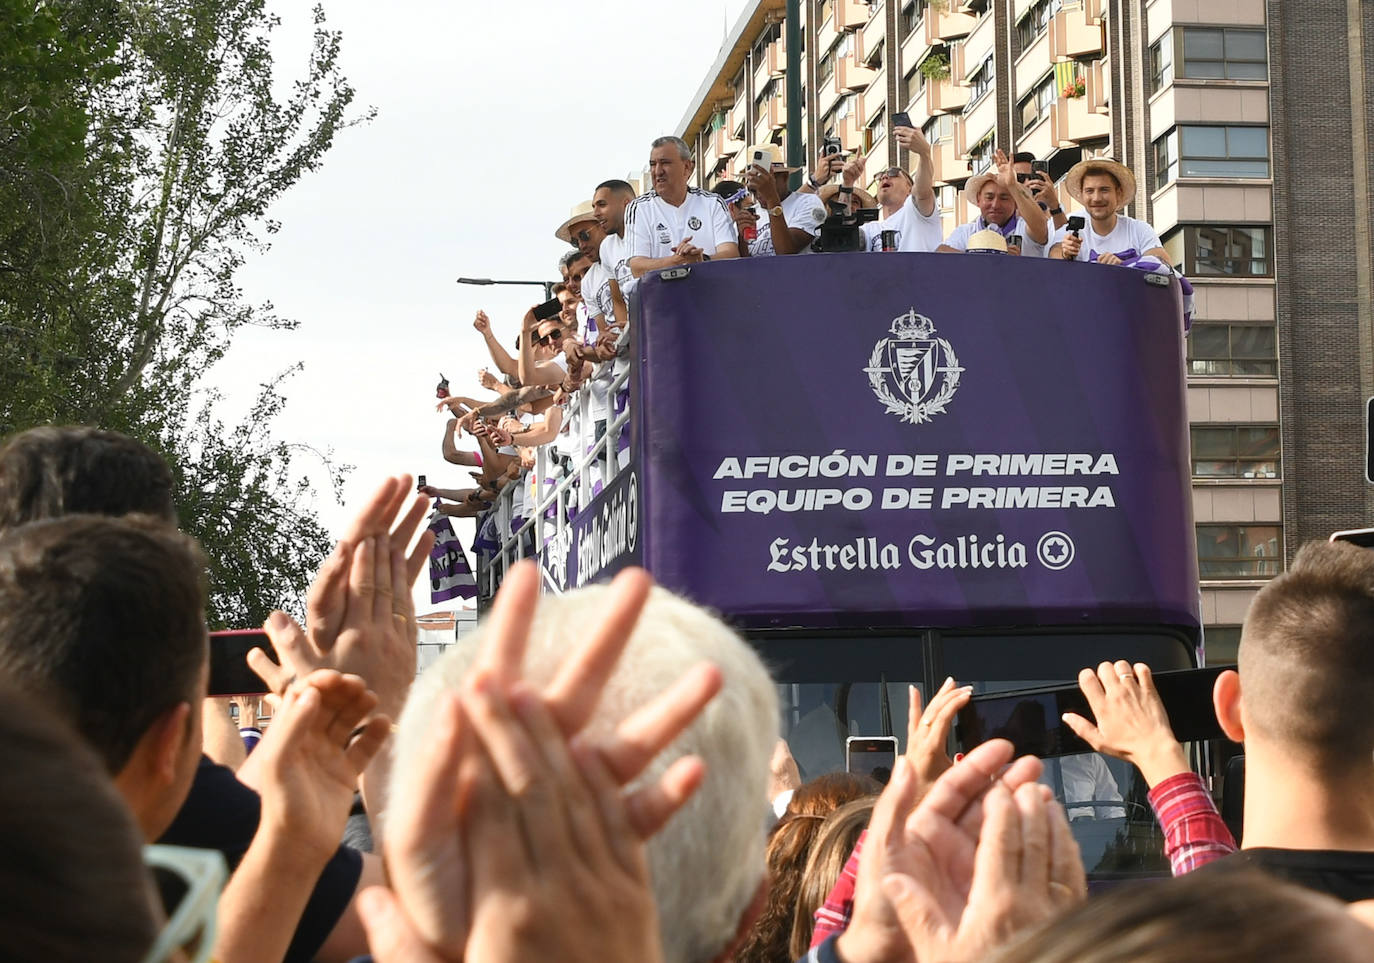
(815, 184)
(1057, 211)
(775, 211)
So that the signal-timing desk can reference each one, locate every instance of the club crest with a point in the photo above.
(913, 373)
(694, 223)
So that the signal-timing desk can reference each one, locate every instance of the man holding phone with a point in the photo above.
(792, 219)
(1035, 174)
(675, 223)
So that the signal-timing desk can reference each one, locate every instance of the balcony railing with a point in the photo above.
(1073, 121)
(851, 75)
(850, 14)
(942, 97)
(943, 26)
(1074, 34)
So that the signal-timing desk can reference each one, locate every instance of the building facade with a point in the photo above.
(1191, 95)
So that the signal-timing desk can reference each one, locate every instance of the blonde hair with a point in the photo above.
(838, 836)
(707, 862)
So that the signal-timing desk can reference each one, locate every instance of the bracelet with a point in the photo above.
(1057, 211)
(815, 184)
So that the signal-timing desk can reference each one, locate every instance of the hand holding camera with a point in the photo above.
(1072, 243)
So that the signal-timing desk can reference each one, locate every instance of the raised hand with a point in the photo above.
(1131, 722)
(482, 323)
(927, 733)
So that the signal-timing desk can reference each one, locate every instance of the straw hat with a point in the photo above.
(828, 191)
(1073, 181)
(582, 212)
(772, 156)
(974, 186)
(987, 241)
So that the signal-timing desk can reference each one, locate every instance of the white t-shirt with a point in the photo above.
(873, 230)
(653, 227)
(596, 293)
(958, 238)
(615, 256)
(1128, 234)
(920, 234)
(799, 210)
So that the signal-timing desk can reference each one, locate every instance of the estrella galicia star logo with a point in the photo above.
(1055, 551)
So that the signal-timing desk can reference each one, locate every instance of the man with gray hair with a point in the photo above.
(707, 863)
(676, 223)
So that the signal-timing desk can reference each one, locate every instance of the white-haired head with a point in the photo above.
(708, 861)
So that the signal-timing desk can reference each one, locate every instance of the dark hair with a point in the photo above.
(105, 616)
(1216, 913)
(727, 188)
(1023, 157)
(73, 876)
(789, 846)
(617, 187)
(1307, 655)
(559, 288)
(53, 471)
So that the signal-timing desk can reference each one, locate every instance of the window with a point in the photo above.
(824, 10)
(770, 33)
(1193, 151)
(980, 155)
(1161, 63)
(1036, 105)
(939, 128)
(1036, 22)
(875, 59)
(825, 69)
(1221, 643)
(1208, 53)
(846, 106)
(981, 81)
(874, 131)
(1235, 451)
(1239, 350)
(1221, 251)
(915, 83)
(1239, 551)
(912, 14)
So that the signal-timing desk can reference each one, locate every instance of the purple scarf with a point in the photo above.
(1007, 229)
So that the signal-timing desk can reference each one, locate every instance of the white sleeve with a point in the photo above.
(958, 238)
(807, 216)
(639, 232)
(1146, 238)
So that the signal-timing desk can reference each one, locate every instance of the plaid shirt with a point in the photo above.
(1194, 835)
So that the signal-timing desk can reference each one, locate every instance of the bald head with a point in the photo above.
(1307, 657)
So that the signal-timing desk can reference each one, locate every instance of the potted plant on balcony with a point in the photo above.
(936, 66)
(1075, 89)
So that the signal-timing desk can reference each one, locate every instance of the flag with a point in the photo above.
(450, 576)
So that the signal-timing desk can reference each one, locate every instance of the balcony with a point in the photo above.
(1073, 34)
(1097, 87)
(850, 14)
(852, 75)
(940, 27)
(941, 97)
(965, 57)
(773, 63)
(724, 144)
(773, 115)
(1073, 121)
(947, 166)
(873, 34)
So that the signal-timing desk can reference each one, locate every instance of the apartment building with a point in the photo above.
(1201, 99)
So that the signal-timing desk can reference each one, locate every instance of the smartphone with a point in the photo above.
(1041, 167)
(1076, 223)
(902, 119)
(1363, 537)
(229, 672)
(1014, 240)
(549, 309)
(831, 146)
(1032, 718)
(419, 482)
(871, 755)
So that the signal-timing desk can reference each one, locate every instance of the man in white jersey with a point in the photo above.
(1005, 206)
(608, 204)
(675, 223)
(1103, 187)
(790, 219)
(584, 232)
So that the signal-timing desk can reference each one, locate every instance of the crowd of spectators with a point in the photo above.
(598, 775)
(562, 385)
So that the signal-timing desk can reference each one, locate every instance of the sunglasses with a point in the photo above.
(190, 881)
(583, 235)
(555, 335)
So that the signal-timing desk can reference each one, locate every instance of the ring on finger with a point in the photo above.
(1123, 676)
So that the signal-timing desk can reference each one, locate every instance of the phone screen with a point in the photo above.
(1032, 718)
(548, 309)
(902, 119)
(1040, 166)
(871, 755)
(229, 672)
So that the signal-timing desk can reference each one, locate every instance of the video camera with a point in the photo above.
(840, 231)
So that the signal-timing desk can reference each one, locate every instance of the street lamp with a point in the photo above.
(546, 285)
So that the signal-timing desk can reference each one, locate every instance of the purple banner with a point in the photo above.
(601, 540)
(917, 439)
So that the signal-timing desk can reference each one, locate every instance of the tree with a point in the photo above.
(141, 149)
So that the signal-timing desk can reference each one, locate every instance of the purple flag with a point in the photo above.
(450, 576)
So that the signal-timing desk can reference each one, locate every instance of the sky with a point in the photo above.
(493, 121)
